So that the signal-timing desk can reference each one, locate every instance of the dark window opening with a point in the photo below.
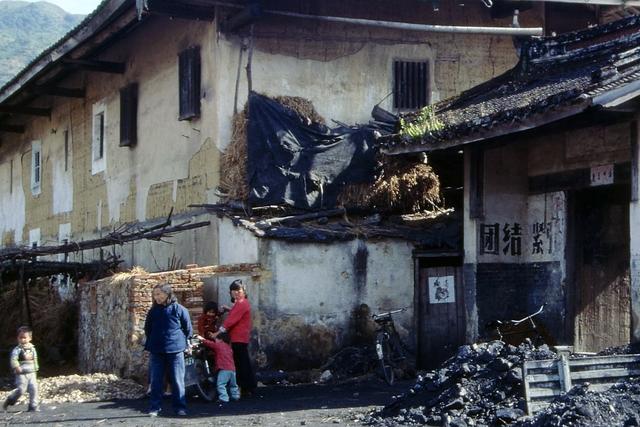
(410, 84)
(189, 74)
(66, 150)
(129, 115)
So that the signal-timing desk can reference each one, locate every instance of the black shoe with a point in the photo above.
(5, 405)
(33, 409)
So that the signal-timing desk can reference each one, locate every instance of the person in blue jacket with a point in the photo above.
(167, 328)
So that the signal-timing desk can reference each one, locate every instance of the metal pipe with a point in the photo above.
(498, 31)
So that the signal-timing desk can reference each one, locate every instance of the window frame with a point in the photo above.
(129, 115)
(189, 83)
(98, 138)
(36, 167)
(409, 98)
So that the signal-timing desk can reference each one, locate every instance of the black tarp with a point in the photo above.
(303, 164)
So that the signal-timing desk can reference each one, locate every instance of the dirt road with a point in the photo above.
(299, 405)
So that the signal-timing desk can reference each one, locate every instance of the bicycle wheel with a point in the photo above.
(206, 384)
(383, 350)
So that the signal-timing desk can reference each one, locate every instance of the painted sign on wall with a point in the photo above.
(442, 289)
(506, 238)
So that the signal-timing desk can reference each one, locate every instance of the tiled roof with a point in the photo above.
(555, 77)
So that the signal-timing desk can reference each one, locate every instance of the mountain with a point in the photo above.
(27, 29)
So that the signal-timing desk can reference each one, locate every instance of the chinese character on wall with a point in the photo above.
(512, 239)
(489, 238)
(541, 233)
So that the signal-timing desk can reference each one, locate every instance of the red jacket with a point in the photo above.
(207, 323)
(238, 322)
(223, 354)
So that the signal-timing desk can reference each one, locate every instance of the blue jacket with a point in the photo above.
(167, 328)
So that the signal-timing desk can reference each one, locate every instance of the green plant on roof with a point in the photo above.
(423, 124)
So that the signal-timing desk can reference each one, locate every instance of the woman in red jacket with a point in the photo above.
(238, 325)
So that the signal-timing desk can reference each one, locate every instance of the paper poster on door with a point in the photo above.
(442, 289)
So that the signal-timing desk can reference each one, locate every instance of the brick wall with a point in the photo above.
(112, 314)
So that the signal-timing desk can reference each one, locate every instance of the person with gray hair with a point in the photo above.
(167, 329)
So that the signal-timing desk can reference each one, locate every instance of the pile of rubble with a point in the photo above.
(618, 406)
(480, 385)
(85, 388)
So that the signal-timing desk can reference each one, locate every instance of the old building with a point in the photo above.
(127, 117)
(551, 186)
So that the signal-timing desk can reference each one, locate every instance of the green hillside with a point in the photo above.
(26, 29)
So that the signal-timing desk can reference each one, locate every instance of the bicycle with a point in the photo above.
(515, 332)
(198, 376)
(389, 348)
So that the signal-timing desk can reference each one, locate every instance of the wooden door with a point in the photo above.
(440, 314)
(602, 292)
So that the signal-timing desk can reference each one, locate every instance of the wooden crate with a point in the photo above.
(545, 379)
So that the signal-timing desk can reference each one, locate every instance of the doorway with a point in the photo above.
(601, 295)
(440, 304)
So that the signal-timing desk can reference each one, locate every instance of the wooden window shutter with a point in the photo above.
(189, 74)
(129, 115)
(410, 84)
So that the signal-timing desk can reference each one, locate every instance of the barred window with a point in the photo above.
(410, 84)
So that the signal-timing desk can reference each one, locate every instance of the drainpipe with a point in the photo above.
(499, 31)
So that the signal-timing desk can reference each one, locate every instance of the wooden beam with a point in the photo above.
(98, 66)
(59, 91)
(184, 11)
(30, 111)
(12, 128)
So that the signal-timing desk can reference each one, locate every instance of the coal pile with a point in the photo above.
(618, 406)
(480, 386)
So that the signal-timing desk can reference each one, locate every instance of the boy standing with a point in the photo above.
(220, 345)
(24, 362)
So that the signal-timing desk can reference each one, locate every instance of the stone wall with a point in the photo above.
(112, 314)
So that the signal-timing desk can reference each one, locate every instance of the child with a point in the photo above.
(24, 362)
(208, 320)
(220, 345)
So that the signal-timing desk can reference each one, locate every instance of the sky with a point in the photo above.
(83, 7)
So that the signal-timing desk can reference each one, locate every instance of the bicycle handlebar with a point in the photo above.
(387, 313)
(517, 322)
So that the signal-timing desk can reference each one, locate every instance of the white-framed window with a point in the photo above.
(99, 139)
(36, 167)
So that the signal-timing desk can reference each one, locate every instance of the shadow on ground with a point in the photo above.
(291, 405)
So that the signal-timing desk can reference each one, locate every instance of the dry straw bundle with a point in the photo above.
(401, 187)
(234, 183)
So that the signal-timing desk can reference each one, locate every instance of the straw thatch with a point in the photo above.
(54, 319)
(401, 187)
(234, 183)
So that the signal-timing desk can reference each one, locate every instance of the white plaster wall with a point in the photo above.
(62, 181)
(345, 89)
(12, 202)
(505, 200)
(237, 244)
(545, 234)
(319, 284)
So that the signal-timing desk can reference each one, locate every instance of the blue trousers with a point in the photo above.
(161, 364)
(224, 378)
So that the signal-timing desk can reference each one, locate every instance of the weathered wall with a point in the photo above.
(302, 306)
(518, 250)
(112, 315)
(343, 69)
(346, 69)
